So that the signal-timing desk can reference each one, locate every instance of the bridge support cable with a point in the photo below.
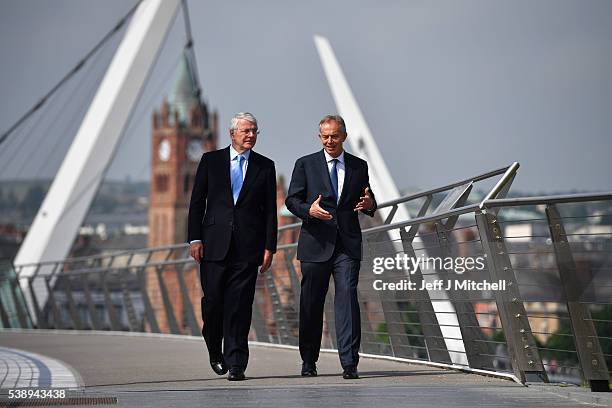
(64, 208)
(44, 99)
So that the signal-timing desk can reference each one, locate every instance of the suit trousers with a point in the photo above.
(315, 283)
(227, 305)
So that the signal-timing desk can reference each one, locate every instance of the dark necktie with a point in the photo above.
(333, 175)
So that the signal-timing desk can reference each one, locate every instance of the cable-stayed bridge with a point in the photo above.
(123, 327)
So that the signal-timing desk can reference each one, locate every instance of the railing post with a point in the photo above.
(22, 298)
(522, 349)
(257, 322)
(188, 312)
(40, 320)
(282, 327)
(434, 339)
(148, 308)
(114, 321)
(22, 315)
(91, 307)
(396, 327)
(6, 323)
(72, 308)
(592, 361)
(172, 325)
(295, 282)
(133, 324)
(123, 276)
(57, 316)
(477, 350)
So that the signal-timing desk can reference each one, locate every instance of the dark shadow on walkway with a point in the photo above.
(363, 375)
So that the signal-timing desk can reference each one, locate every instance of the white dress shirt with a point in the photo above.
(233, 162)
(340, 168)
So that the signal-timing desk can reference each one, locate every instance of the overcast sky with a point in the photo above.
(449, 89)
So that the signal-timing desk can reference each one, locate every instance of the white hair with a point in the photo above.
(242, 116)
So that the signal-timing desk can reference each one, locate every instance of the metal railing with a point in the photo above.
(551, 321)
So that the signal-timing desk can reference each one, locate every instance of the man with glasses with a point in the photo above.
(328, 189)
(232, 230)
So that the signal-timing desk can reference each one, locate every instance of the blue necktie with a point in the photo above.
(237, 177)
(333, 175)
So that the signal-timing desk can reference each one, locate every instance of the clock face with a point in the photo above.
(164, 150)
(194, 150)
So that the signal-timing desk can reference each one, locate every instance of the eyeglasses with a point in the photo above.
(254, 131)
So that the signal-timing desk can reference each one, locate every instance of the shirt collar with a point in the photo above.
(328, 158)
(234, 153)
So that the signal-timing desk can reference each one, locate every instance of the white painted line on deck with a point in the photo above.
(23, 369)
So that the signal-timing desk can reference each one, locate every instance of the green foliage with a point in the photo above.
(412, 328)
(603, 326)
(382, 334)
(562, 341)
(499, 336)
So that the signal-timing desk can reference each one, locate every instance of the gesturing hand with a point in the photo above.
(196, 250)
(317, 212)
(366, 202)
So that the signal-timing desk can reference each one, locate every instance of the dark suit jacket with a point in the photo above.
(318, 237)
(213, 217)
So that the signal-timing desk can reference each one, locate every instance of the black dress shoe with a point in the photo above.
(236, 374)
(350, 373)
(309, 369)
(218, 366)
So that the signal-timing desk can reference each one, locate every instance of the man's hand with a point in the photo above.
(317, 212)
(267, 261)
(196, 250)
(366, 202)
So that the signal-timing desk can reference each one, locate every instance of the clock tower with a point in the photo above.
(182, 131)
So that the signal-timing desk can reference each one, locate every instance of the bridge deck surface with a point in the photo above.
(174, 371)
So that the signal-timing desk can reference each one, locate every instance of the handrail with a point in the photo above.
(103, 256)
(425, 193)
(73, 272)
(511, 169)
(556, 199)
(420, 220)
(510, 172)
(505, 202)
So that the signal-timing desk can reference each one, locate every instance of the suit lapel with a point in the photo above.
(325, 170)
(348, 172)
(251, 174)
(225, 171)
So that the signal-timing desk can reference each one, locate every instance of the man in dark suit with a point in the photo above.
(327, 190)
(232, 230)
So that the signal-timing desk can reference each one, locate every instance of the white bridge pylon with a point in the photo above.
(363, 145)
(57, 222)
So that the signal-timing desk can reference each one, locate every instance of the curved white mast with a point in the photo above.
(363, 145)
(57, 222)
